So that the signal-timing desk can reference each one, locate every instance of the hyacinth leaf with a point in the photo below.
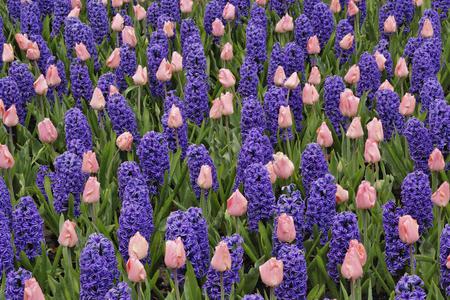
(191, 288)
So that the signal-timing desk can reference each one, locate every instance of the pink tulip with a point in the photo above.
(138, 246)
(82, 52)
(351, 267)
(40, 85)
(67, 235)
(271, 272)
(218, 29)
(2, 109)
(47, 131)
(91, 193)
(284, 117)
(285, 228)
(6, 159)
(355, 130)
(129, 36)
(135, 270)
(313, 45)
(116, 3)
(365, 196)
(261, 2)
(408, 229)
(341, 194)
(174, 120)
(98, 100)
(427, 29)
(141, 76)
(271, 171)
(292, 82)
(447, 264)
(371, 152)
(124, 141)
(227, 52)
(226, 78)
(186, 6)
(390, 26)
(375, 130)
(386, 85)
(113, 60)
(324, 136)
(335, 6)
(282, 166)
(74, 13)
(381, 61)
(360, 251)
(204, 179)
(310, 94)
(237, 204)
(139, 12)
(52, 76)
(352, 76)
(177, 62)
(32, 290)
(229, 12)
(348, 103)
(227, 103)
(169, 28)
(418, 3)
(33, 52)
(352, 8)
(23, 41)
(8, 53)
(175, 255)
(436, 161)
(117, 23)
(279, 77)
(347, 41)
(113, 90)
(407, 105)
(221, 260)
(314, 75)
(285, 24)
(216, 109)
(90, 163)
(10, 117)
(442, 195)
(164, 72)
(76, 4)
(401, 68)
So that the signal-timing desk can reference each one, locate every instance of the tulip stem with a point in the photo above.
(411, 259)
(139, 101)
(364, 219)
(353, 290)
(272, 293)
(222, 291)
(92, 212)
(139, 291)
(439, 224)
(175, 279)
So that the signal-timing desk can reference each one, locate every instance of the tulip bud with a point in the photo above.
(271, 272)
(91, 193)
(68, 236)
(221, 260)
(237, 204)
(47, 131)
(98, 100)
(408, 229)
(138, 246)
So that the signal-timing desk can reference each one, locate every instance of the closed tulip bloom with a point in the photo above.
(271, 272)
(352, 8)
(360, 251)
(390, 26)
(113, 90)
(427, 29)
(355, 130)
(135, 270)
(310, 94)
(226, 78)
(227, 103)
(352, 75)
(282, 166)
(169, 28)
(32, 290)
(216, 109)
(447, 263)
(375, 130)
(175, 255)
(221, 260)
(386, 85)
(407, 105)
(67, 235)
(33, 52)
(76, 3)
(237, 204)
(347, 41)
(313, 45)
(285, 24)
(141, 76)
(271, 171)
(286, 228)
(177, 62)
(341, 194)
(436, 161)
(292, 82)
(124, 141)
(113, 60)
(6, 159)
(40, 85)
(335, 6)
(381, 61)
(47, 131)
(324, 136)
(314, 76)
(229, 12)
(442, 195)
(348, 103)
(10, 117)
(186, 6)
(351, 267)
(117, 23)
(401, 68)
(279, 77)
(365, 196)
(204, 179)
(23, 41)
(175, 120)
(90, 163)
(139, 12)
(227, 52)
(52, 76)
(408, 229)
(91, 193)
(129, 36)
(138, 246)
(74, 13)
(284, 117)
(8, 53)
(116, 3)
(261, 2)
(164, 72)
(218, 29)
(82, 52)
(98, 100)
(2, 109)
(371, 151)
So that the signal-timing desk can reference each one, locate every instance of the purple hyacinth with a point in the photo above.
(153, 13)
(333, 87)
(256, 148)
(433, 16)
(421, 70)
(362, 6)
(97, 15)
(61, 8)
(248, 82)
(45, 7)
(13, 9)
(9, 91)
(5, 202)
(81, 86)
(127, 171)
(176, 137)
(6, 249)
(385, 12)
(15, 284)
(387, 107)
(293, 205)
(105, 81)
(439, 124)
(342, 29)
(296, 105)
(416, 199)
(171, 8)
(196, 99)
(303, 31)
(397, 252)
(119, 292)
(198, 156)
(153, 156)
(42, 172)
(252, 116)
(136, 215)
(383, 48)
(321, 206)
(156, 52)
(419, 142)
(192, 228)
(230, 277)
(308, 7)
(98, 267)
(28, 228)
(294, 284)
(410, 287)
(77, 128)
(45, 51)
(442, 7)
(430, 91)
(404, 13)
(67, 179)
(24, 79)
(253, 297)
(322, 21)
(259, 193)
(274, 98)
(242, 8)
(127, 65)
(256, 33)
(277, 59)
(2, 39)
(281, 7)
(443, 254)
(188, 29)
(195, 61)
(343, 230)
(30, 18)
(122, 116)
(313, 165)
(213, 10)
(294, 60)
(370, 76)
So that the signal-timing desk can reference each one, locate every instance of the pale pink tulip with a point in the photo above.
(271, 272)
(324, 136)
(204, 179)
(177, 62)
(10, 117)
(23, 41)
(74, 13)
(442, 195)
(218, 29)
(407, 104)
(335, 6)
(124, 141)
(286, 228)
(40, 85)
(314, 75)
(313, 45)
(237, 204)
(135, 270)
(174, 120)
(261, 2)
(285, 24)
(52, 76)
(427, 29)
(90, 163)
(366, 196)
(186, 6)
(284, 117)
(6, 159)
(341, 194)
(113, 60)
(98, 100)
(91, 193)
(33, 52)
(82, 52)
(221, 260)
(352, 76)
(141, 76)
(347, 41)
(138, 246)
(47, 132)
(381, 60)
(175, 255)
(408, 229)
(8, 53)
(386, 85)
(32, 290)
(227, 52)
(401, 68)
(355, 130)
(390, 25)
(216, 109)
(375, 130)
(229, 12)
(169, 28)
(292, 82)
(371, 152)
(67, 235)
(164, 72)
(116, 3)
(226, 78)
(348, 103)
(352, 8)
(282, 166)
(227, 103)
(360, 251)
(310, 94)
(117, 23)
(139, 12)
(436, 161)
(271, 172)
(279, 77)
(129, 36)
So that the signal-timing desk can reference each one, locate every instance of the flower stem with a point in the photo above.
(139, 101)
(177, 289)
(222, 291)
(353, 290)
(411, 259)
(439, 228)
(272, 293)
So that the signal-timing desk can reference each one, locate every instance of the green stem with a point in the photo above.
(177, 289)
(411, 259)
(92, 213)
(353, 290)
(222, 290)
(139, 101)
(364, 217)
(272, 294)
(439, 226)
